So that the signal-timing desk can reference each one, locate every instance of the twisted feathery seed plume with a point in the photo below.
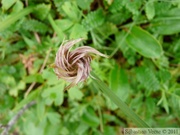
(74, 66)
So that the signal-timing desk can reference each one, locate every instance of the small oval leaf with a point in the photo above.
(144, 43)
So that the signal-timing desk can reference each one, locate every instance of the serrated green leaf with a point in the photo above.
(35, 26)
(164, 76)
(58, 4)
(117, 18)
(116, 6)
(41, 11)
(147, 78)
(94, 19)
(144, 43)
(133, 6)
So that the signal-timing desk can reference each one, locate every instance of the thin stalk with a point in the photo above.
(124, 108)
(55, 27)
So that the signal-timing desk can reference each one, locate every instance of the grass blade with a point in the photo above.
(124, 108)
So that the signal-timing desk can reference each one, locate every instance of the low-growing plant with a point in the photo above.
(142, 71)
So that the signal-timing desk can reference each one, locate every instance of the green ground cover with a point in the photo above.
(141, 38)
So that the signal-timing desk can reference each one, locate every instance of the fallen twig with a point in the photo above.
(16, 117)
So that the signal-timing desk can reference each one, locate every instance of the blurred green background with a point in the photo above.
(141, 38)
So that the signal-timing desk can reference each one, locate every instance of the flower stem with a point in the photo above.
(124, 108)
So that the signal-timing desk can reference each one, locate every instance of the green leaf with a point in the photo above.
(32, 129)
(35, 26)
(144, 43)
(6, 4)
(13, 92)
(70, 6)
(94, 19)
(74, 93)
(164, 75)
(90, 118)
(54, 118)
(29, 42)
(78, 31)
(54, 130)
(151, 106)
(163, 23)
(81, 129)
(33, 95)
(164, 26)
(164, 102)
(34, 78)
(119, 82)
(116, 6)
(150, 10)
(56, 28)
(109, 130)
(107, 29)
(147, 78)
(128, 53)
(133, 6)
(18, 6)
(51, 77)
(117, 18)
(40, 109)
(54, 94)
(41, 11)
(14, 17)
(64, 24)
(84, 4)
